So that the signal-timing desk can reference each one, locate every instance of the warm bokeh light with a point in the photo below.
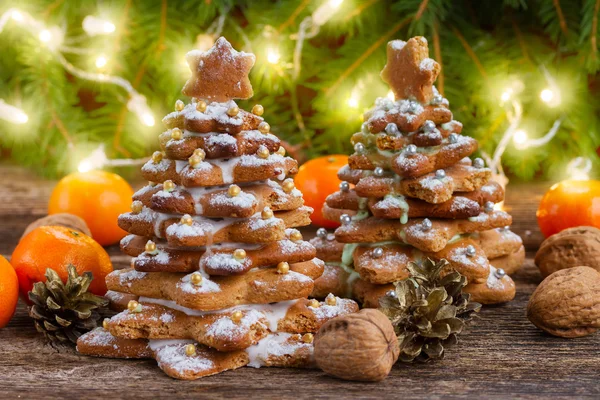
(101, 61)
(273, 55)
(520, 137)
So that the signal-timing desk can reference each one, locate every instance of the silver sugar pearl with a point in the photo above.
(506, 228)
(390, 293)
(453, 138)
(359, 147)
(427, 225)
(440, 174)
(478, 163)
(471, 250)
(378, 252)
(364, 128)
(500, 273)
(345, 219)
(344, 186)
(331, 237)
(378, 172)
(488, 206)
(437, 99)
(391, 129)
(413, 107)
(322, 233)
(428, 126)
(411, 150)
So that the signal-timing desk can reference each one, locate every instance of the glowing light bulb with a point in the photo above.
(148, 119)
(520, 138)
(506, 95)
(335, 3)
(390, 95)
(45, 36)
(547, 95)
(97, 26)
(84, 166)
(273, 56)
(17, 16)
(21, 117)
(108, 27)
(353, 101)
(12, 114)
(101, 61)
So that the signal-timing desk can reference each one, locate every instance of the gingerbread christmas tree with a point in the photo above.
(411, 192)
(220, 275)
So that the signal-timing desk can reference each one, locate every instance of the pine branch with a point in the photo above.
(561, 17)
(366, 54)
(470, 52)
(437, 51)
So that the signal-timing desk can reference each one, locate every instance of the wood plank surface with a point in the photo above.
(501, 354)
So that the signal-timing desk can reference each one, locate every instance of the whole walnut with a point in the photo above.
(360, 346)
(62, 219)
(569, 248)
(567, 303)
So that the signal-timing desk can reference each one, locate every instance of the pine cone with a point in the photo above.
(427, 310)
(65, 312)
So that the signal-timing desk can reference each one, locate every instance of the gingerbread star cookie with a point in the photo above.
(219, 74)
(409, 70)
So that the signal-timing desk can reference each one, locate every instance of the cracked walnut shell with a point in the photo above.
(360, 346)
(567, 303)
(570, 248)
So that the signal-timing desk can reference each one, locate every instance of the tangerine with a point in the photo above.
(56, 247)
(317, 179)
(9, 291)
(569, 203)
(99, 197)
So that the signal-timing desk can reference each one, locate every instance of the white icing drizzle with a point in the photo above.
(277, 345)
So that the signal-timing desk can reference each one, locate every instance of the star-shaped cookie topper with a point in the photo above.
(219, 74)
(409, 71)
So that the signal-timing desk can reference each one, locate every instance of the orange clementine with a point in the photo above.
(96, 196)
(317, 179)
(569, 203)
(9, 291)
(56, 247)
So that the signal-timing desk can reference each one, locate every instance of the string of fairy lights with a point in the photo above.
(53, 37)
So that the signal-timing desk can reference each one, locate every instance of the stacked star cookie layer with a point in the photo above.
(411, 191)
(220, 275)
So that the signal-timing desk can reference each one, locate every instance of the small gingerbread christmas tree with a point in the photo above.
(221, 275)
(410, 192)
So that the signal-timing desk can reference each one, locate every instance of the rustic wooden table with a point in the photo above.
(501, 354)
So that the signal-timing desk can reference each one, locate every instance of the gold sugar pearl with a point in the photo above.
(179, 105)
(264, 127)
(239, 254)
(314, 303)
(194, 160)
(199, 153)
(308, 338)
(190, 349)
(283, 268)
(176, 134)
(263, 152)
(281, 151)
(201, 106)
(288, 185)
(134, 307)
(105, 323)
(168, 185)
(187, 220)
(150, 246)
(233, 111)
(150, 183)
(330, 300)
(237, 316)
(136, 207)
(258, 110)
(157, 157)
(295, 236)
(234, 190)
(266, 213)
(196, 279)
